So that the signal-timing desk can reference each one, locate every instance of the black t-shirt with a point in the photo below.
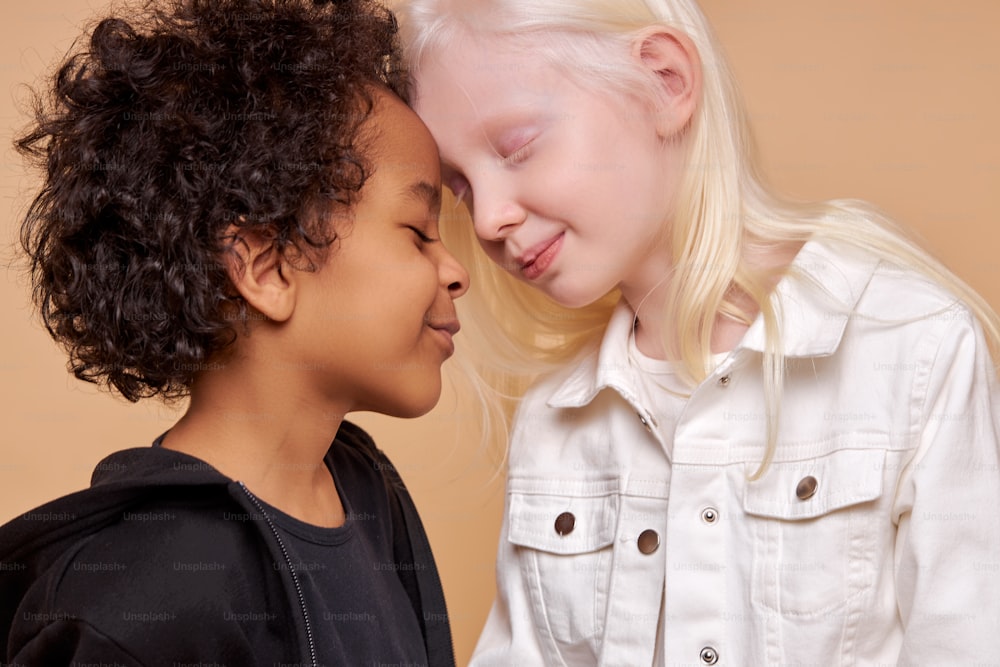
(356, 579)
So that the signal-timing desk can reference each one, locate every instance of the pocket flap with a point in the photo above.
(843, 478)
(532, 522)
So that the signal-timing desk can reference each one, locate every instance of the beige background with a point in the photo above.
(897, 102)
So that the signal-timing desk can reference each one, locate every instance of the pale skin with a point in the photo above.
(674, 57)
(369, 330)
(520, 139)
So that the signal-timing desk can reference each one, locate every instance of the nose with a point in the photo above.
(496, 215)
(453, 274)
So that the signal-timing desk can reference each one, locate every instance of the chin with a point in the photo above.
(412, 413)
(576, 300)
(417, 404)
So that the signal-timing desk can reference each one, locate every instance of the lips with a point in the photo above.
(538, 258)
(446, 329)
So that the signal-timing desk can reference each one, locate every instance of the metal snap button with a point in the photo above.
(649, 541)
(709, 515)
(648, 422)
(709, 656)
(565, 523)
(806, 488)
(725, 380)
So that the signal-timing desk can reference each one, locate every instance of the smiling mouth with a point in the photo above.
(536, 262)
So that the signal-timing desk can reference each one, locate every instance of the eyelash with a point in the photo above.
(516, 157)
(420, 235)
(461, 189)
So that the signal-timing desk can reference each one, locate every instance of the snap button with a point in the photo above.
(565, 523)
(725, 380)
(649, 422)
(806, 488)
(709, 515)
(709, 656)
(649, 541)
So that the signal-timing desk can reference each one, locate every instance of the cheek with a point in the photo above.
(417, 292)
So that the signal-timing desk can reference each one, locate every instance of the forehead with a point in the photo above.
(480, 66)
(476, 88)
(401, 146)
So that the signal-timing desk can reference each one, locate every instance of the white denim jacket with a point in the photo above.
(873, 539)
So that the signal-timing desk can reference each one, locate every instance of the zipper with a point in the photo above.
(291, 570)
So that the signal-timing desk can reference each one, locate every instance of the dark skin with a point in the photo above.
(333, 341)
(247, 423)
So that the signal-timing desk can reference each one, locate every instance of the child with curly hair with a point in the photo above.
(237, 207)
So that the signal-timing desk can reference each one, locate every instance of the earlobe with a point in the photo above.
(673, 58)
(259, 272)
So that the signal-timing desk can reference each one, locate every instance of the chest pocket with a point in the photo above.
(565, 546)
(816, 526)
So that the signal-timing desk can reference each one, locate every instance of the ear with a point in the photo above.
(260, 273)
(672, 56)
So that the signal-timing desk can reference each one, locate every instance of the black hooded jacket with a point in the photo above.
(95, 577)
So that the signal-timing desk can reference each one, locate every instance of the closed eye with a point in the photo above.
(517, 156)
(420, 235)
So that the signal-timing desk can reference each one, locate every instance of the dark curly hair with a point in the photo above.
(162, 132)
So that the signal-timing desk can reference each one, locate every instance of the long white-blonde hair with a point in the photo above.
(725, 214)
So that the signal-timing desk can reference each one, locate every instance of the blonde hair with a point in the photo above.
(725, 213)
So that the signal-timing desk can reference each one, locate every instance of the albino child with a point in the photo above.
(760, 432)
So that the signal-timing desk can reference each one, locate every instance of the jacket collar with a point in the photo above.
(608, 366)
(817, 296)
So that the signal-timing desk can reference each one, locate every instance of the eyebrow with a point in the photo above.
(426, 193)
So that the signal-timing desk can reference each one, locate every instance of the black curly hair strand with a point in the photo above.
(163, 133)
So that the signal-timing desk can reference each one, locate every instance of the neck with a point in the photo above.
(649, 304)
(648, 299)
(267, 435)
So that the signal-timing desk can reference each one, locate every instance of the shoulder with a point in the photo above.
(846, 298)
(907, 334)
(178, 551)
(163, 567)
(878, 288)
(916, 313)
(897, 292)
